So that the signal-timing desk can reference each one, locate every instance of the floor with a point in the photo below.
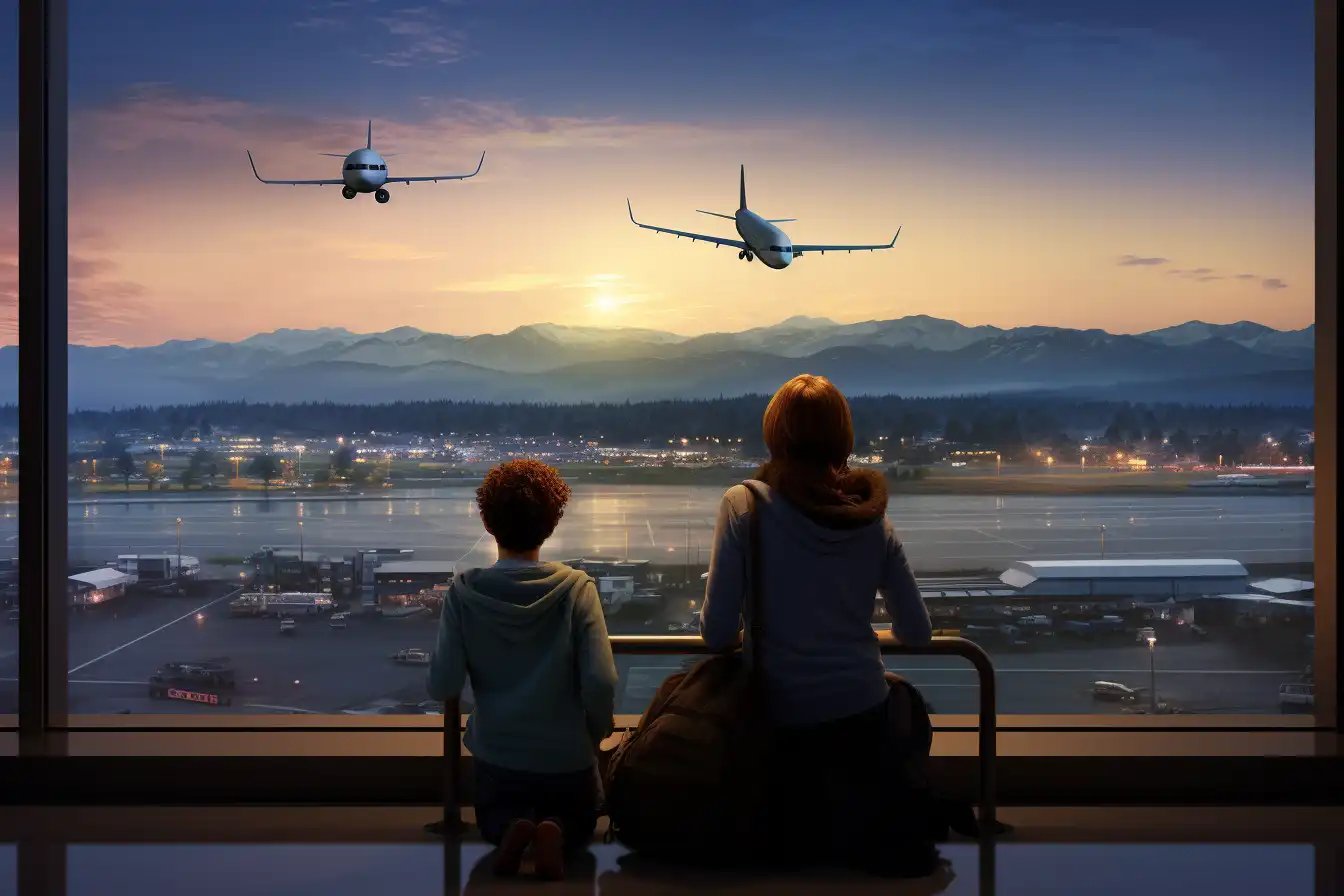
(340, 851)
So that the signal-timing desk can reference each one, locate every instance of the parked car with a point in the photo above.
(411, 656)
(288, 625)
(1297, 694)
(1116, 692)
(338, 620)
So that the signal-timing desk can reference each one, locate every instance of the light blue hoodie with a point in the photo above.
(534, 643)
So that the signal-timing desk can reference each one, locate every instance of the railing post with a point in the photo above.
(452, 778)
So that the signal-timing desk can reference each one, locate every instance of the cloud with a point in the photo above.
(506, 283)
(153, 114)
(1138, 261)
(100, 309)
(422, 40)
(322, 23)
(1207, 275)
(382, 251)
(524, 282)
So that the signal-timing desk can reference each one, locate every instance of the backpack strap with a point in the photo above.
(752, 606)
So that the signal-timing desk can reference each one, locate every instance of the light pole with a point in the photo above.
(1152, 672)
(179, 552)
(299, 449)
(1103, 542)
(300, 545)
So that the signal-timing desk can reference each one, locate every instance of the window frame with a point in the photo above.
(242, 752)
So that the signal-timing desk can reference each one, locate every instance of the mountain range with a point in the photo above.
(914, 356)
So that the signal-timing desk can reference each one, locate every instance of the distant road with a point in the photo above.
(674, 524)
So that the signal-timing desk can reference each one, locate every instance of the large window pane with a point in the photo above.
(9, 365)
(1085, 366)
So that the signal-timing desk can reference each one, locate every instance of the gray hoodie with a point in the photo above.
(534, 643)
(819, 653)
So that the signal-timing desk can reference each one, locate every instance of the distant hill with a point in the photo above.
(912, 356)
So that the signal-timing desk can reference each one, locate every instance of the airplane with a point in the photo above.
(365, 172)
(760, 237)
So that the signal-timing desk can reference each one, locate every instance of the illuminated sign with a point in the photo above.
(194, 696)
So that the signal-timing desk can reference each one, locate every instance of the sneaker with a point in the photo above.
(509, 856)
(548, 851)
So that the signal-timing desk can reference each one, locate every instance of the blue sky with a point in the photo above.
(1197, 70)
(1179, 130)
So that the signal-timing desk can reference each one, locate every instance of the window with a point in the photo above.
(9, 372)
(276, 417)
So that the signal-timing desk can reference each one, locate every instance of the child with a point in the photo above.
(531, 636)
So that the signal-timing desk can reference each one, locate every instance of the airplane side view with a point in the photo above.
(760, 237)
(365, 171)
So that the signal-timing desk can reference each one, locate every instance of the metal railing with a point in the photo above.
(693, 645)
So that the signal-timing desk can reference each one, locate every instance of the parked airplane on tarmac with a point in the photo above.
(760, 237)
(365, 172)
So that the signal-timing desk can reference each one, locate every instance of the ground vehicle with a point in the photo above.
(1113, 691)
(1145, 635)
(202, 682)
(1297, 694)
(13, 616)
(411, 656)
(1034, 622)
(280, 604)
(288, 626)
(1199, 631)
(216, 673)
(338, 620)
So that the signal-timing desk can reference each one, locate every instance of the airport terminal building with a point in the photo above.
(1151, 580)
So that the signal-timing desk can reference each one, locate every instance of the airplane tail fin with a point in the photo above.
(742, 200)
(369, 144)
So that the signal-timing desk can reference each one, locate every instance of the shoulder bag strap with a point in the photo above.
(752, 606)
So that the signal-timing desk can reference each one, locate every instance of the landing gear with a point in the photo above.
(745, 255)
(348, 192)
(382, 196)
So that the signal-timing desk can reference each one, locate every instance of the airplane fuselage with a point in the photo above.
(768, 243)
(364, 171)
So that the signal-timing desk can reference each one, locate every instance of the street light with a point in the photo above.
(1152, 672)
(1103, 542)
(301, 570)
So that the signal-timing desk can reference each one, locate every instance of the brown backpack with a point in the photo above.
(690, 782)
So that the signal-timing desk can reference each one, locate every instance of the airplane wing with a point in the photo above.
(293, 183)
(439, 177)
(717, 240)
(800, 249)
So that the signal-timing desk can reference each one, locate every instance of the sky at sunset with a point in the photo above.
(1126, 166)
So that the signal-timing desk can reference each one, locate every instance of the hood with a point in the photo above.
(852, 499)
(518, 598)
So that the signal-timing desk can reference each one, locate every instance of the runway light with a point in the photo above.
(200, 616)
(296, 681)
(255, 680)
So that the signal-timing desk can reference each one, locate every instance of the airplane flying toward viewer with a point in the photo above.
(760, 237)
(365, 172)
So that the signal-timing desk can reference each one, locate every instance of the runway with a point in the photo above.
(942, 534)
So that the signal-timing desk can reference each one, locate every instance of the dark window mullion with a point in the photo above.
(43, 337)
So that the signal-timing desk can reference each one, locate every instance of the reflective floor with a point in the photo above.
(339, 851)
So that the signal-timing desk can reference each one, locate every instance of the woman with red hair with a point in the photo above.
(827, 549)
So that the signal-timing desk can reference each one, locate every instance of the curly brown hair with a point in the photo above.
(522, 502)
